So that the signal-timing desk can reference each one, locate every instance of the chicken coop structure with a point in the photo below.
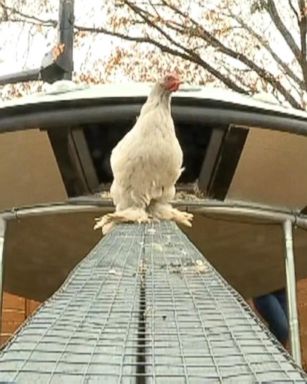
(245, 160)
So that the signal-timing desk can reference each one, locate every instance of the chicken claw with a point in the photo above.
(107, 222)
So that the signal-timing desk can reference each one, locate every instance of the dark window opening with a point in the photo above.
(102, 138)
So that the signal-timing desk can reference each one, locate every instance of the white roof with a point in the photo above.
(66, 90)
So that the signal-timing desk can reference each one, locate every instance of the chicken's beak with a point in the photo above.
(175, 85)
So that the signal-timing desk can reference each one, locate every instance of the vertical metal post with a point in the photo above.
(291, 293)
(66, 35)
(2, 234)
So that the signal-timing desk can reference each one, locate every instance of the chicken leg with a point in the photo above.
(164, 211)
(161, 209)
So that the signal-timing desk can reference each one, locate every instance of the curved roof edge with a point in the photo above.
(68, 91)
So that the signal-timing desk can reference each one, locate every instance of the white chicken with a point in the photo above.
(146, 164)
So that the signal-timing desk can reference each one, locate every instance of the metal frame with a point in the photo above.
(48, 116)
(2, 235)
(291, 292)
(285, 217)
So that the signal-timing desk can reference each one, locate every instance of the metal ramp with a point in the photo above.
(145, 307)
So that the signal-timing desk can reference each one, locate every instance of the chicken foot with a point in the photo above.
(164, 211)
(107, 222)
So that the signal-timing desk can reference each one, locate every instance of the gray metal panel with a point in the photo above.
(145, 307)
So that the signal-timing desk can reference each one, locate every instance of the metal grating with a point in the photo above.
(88, 331)
(145, 307)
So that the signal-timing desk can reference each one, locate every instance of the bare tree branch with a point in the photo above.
(200, 31)
(5, 15)
(294, 11)
(303, 31)
(192, 55)
(266, 45)
(27, 18)
(194, 58)
(29, 22)
(271, 8)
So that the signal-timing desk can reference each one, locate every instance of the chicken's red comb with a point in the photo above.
(173, 74)
(172, 81)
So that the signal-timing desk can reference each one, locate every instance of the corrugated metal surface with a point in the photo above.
(145, 307)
